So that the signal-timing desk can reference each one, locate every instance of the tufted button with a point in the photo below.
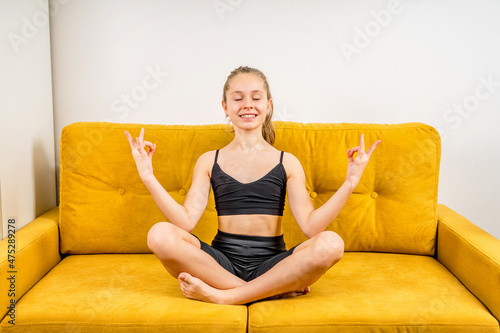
(182, 191)
(121, 191)
(374, 195)
(313, 194)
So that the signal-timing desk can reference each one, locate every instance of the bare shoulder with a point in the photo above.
(205, 162)
(292, 165)
(207, 156)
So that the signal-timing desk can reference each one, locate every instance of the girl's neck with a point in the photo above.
(246, 141)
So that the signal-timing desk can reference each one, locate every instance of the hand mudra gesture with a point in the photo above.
(142, 158)
(357, 164)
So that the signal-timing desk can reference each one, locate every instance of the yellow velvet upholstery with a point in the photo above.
(37, 251)
(409, 267)
(472, 255)
(105, 208)
(365, 292)
(378, 292)
(118, 293)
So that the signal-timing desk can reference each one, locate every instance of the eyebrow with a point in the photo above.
(239, 92)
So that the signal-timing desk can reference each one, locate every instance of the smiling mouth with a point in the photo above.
(248, 116)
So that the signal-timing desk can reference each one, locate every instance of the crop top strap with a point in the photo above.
(281, 159)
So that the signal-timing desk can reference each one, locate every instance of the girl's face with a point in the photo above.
(247, 104)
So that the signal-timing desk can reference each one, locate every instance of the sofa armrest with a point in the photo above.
(36, 252)
(472, 255)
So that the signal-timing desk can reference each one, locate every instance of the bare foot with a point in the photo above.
(194, 288)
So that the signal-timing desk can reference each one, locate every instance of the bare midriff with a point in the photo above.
(252, 225)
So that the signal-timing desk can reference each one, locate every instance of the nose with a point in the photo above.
(248, 104)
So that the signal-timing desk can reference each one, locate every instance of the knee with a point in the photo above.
(328, 249)
(161, 237)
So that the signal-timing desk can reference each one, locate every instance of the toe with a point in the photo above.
(185, 277)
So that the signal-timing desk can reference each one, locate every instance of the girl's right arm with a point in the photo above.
(184, 216)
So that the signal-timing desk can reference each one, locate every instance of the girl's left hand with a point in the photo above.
(357, 165)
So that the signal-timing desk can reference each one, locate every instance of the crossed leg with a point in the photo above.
(309, 261)
(290, 277)
(179, 251)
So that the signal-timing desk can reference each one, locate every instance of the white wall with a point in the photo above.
(27, 161)
(424, 59)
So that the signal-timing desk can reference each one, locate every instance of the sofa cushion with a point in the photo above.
(378, 292)
(117, 293)
(393, 208)
(105, 208)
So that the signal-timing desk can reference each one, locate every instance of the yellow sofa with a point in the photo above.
(411, 264)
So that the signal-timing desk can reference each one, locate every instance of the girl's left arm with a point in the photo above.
(312, 221)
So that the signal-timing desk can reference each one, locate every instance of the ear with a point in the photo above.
(224, 106)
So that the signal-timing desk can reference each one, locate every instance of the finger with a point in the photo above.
(372, 148)
(140, 139)
(353, 150)
(140, 145)
(130, 140)
(350, 152)
(362, 143)
(141, 136)
(147, 143)
(150, 145)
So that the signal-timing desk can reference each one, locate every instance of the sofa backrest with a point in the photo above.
(105, 207)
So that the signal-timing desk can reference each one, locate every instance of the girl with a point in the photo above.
(247, 260)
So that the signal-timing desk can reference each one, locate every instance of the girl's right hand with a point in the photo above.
(141, 157)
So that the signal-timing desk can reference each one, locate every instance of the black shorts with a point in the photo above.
(246, 256)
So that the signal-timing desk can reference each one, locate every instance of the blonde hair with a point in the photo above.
(267, 127)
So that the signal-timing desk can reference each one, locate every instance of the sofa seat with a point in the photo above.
(118, 293)
(364, 292)
(378, 292)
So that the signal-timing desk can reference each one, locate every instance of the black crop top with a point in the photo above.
(263, 196)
